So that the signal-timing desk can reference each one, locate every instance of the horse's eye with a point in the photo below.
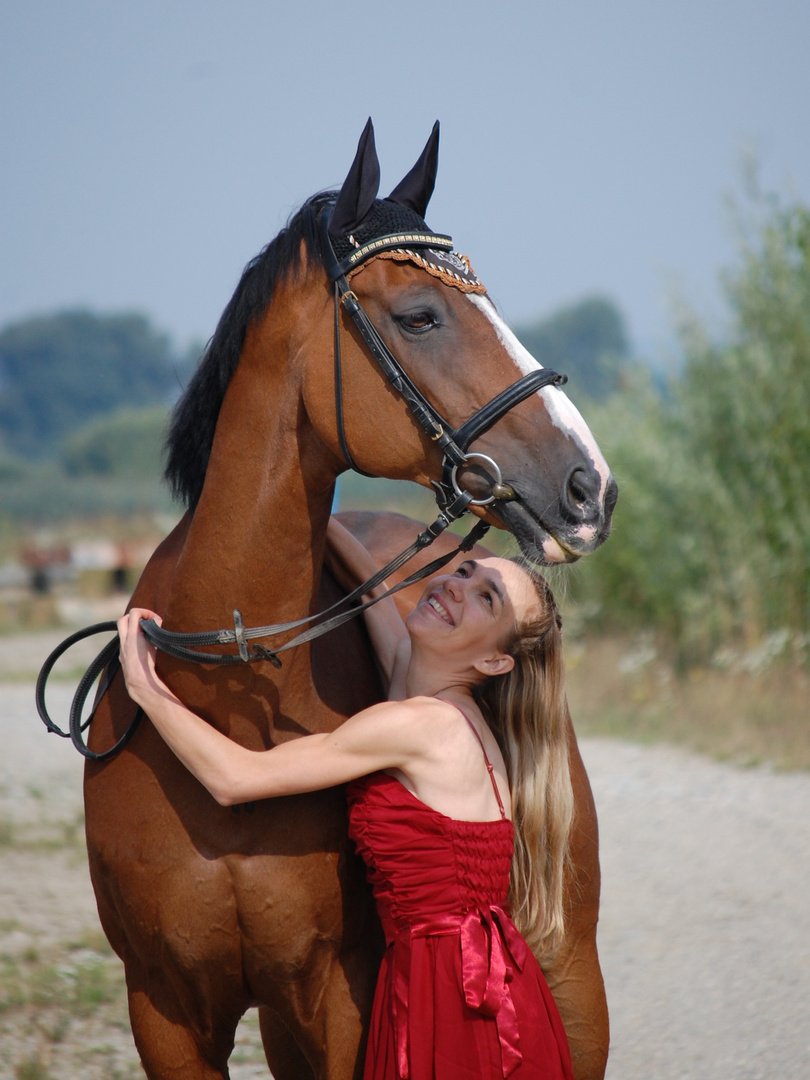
(417, 322)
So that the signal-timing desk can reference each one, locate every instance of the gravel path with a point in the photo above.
(705, 920)
(705, 929)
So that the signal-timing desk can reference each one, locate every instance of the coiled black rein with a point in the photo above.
(106, 662)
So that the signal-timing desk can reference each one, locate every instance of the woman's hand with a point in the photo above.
(217, 762)
(138, 657)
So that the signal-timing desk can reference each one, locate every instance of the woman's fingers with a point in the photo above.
(136, 654)
(138, 613)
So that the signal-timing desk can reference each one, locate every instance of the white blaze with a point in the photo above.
(561, 410)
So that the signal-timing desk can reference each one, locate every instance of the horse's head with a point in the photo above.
(555, 491)
(432, 385)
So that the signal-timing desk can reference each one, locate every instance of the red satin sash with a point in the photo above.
(491, 947)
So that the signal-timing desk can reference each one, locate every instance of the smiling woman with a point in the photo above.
(434, 791)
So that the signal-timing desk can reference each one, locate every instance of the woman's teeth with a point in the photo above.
(437, 607)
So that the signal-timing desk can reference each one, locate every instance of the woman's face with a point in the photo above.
(473, 610)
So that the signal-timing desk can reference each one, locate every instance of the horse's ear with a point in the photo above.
(359, 189)
(415, 189)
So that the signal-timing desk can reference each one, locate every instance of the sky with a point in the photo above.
(149, 150)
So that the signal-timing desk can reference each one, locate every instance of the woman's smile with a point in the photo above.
(481, 597)
(438, 607)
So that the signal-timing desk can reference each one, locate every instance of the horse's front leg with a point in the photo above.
(183, 1009)
(284, 1057)
(172, 1046)
(317, 1027)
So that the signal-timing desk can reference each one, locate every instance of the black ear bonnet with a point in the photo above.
(360, 226)
(385, 218)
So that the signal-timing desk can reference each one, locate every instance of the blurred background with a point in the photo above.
(632, 182)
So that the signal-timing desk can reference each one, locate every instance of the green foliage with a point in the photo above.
(12, 468)
(711, 541)
(747, 417)
(123, 444)
(587, 341)
(111, 465)
(59, 371)
(655, 571)
(48, 496)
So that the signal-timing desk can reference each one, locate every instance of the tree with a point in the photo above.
(746, 414)
(125, 444)
(59, 371)
(587, 341)
(711, 540)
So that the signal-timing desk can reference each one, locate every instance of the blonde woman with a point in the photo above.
(459, 802)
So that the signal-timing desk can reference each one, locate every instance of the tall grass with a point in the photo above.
(746, 710)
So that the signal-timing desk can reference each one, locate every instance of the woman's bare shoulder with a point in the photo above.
(412, 722)
(409, 710)
(434, 722)
(390, 734)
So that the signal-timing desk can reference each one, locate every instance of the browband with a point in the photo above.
(390, 242)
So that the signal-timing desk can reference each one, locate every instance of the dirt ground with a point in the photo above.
(704, 935)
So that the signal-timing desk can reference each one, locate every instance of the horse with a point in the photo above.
(212, 910)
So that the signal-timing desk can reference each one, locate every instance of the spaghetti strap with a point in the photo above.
(490, 767)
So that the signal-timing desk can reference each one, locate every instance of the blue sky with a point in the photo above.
(149, 150)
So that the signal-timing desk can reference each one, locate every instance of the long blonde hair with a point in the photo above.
(526, 710)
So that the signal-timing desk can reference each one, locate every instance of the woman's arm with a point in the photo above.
(352, 564)
(382, 737)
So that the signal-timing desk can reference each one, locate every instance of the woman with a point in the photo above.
(471, 739)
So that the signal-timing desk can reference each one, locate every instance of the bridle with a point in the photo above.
(452, 501)
(453, 442)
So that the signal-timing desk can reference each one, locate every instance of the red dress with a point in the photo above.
(460, 995)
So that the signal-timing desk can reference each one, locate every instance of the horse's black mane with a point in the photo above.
(191, 432)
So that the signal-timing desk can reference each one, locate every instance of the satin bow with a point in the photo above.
(490, 948)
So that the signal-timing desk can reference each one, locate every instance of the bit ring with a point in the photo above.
(492, 467)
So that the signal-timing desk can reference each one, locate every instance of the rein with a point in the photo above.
(181, 645)
(453, 502)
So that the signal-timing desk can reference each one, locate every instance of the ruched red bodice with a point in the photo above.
(460, 995)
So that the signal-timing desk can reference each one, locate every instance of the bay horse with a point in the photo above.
(212, 910)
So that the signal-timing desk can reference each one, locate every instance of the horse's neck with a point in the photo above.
(258, 548)
(257, 538)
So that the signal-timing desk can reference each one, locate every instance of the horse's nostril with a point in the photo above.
(583, 486)
(611, 498)
(577, 488)
(580, 496)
